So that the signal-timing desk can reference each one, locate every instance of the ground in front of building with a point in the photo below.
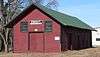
(91, 52)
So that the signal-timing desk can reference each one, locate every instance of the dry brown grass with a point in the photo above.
(91, 52)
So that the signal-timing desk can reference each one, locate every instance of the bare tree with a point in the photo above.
(52, 4)
(8, 10)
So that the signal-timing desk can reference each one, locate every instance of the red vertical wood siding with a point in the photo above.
(21, 38)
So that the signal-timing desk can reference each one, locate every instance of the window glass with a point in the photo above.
(97, 39)
(24, 26)
(48, 26)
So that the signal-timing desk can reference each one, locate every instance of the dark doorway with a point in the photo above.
(78, 42)
(69, 41)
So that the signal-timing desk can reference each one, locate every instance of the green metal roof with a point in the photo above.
(65, 19)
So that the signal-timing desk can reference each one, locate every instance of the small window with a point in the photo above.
(24, 26)
(97, 39)
(48, 26)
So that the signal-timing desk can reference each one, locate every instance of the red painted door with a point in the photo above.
(36, 42)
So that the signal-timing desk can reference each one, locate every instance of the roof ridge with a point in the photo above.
(54, 10)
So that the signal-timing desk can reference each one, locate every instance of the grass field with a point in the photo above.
(91, 52)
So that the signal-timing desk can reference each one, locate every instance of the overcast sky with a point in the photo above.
(86, 10)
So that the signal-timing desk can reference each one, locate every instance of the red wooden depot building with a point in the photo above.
(40, 29)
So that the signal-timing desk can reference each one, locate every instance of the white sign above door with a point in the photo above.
(35, 22)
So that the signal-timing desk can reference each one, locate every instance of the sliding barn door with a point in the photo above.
(36, 43)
